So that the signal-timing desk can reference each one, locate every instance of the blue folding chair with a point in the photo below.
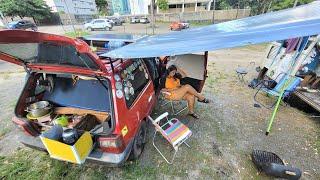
(288, 83)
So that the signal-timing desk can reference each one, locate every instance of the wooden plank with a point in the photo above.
(101, 116)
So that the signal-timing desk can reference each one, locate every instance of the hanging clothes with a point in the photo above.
(291, 45)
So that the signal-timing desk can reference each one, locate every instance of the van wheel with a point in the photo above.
(139, 142)
(89, 29)
(107, 28)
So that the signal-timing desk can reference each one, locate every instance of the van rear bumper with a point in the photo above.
(110, 159)
(96, 156)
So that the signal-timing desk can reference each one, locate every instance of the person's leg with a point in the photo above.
(179, 93)
(191, 100)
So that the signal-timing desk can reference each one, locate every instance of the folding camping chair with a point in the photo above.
(173, 103)
(288, 83)
(164, 101)
(175, 132)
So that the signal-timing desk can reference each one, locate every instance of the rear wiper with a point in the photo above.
(95, 75)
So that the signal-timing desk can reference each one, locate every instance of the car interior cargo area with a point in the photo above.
(67, 100)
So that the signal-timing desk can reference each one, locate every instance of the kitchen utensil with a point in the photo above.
(70, 136)
(62, 121)
(31, 117)
(55, 133)
(39, 108)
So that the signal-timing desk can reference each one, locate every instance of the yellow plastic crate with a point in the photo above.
(75, 154)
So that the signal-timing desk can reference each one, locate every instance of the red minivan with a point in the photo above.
(75, 80)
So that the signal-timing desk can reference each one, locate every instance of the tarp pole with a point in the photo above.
(286, 84)
(275, 110)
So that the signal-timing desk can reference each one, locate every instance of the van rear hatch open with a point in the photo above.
(41, 51)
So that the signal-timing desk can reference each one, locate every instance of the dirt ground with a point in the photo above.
(229, 129)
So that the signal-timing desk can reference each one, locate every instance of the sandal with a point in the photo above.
(194, 115)
(205, 100)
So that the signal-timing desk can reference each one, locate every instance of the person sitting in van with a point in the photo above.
(179, 92)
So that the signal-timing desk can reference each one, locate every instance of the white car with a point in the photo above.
(185, 25)
(104, 24)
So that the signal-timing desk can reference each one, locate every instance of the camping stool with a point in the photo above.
(175, 132)
(243, 71)
(175, 111)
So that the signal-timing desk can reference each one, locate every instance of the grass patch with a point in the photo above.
(27, 164)
(78, 33)
(136, 171)
(3, 132)
(199, 24)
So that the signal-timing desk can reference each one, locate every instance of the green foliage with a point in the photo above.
(258, 6)
(77, 33)
(283, 4)
(163, 5)
(37, 9)
(102, 5)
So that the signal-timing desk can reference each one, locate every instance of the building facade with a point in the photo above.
(120, 7)
(178, 6)
(79, 8)
(139, 7)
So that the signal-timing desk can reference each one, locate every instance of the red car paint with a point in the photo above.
(124, 117)
(176, 26)
(127, 120)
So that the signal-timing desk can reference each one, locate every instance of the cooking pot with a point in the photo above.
(39, 108)
(70, 136)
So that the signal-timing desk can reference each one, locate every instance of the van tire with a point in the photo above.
(139, 142)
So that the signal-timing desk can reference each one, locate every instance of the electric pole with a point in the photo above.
(295, 3)
(152, 16)
(213, 11)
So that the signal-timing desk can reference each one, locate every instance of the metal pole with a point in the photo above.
(213, 10)
(238, 9)
(74, 29)
(152, 15)
(295, 3)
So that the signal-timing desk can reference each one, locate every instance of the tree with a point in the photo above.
(283, 4)
(163, 5)
(102, 5)
(259, 6)
(37, 9)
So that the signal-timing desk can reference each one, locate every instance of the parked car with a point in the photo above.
(185, 24)
(22, 24)
(104, 24)
(176, 26)
(122, 20)
(63, 70)
(134, 20)
(116, 21)
(144, 20)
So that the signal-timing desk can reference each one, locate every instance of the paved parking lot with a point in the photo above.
(125, 28)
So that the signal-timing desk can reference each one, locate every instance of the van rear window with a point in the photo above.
(48, 53)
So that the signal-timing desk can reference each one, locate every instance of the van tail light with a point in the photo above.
(112, 143)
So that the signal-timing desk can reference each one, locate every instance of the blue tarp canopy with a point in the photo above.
(295, 22)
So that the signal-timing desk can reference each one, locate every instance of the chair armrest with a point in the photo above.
(162, 116)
